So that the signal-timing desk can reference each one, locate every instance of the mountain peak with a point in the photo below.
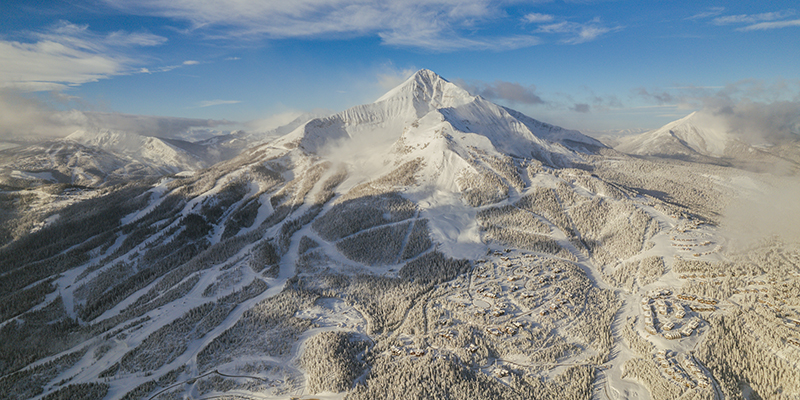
(427, 90)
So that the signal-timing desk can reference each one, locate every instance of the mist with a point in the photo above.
(26, 118)
(758, 123)
(769, 210)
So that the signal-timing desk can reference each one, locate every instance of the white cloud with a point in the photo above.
(752, 110)
(756, 22)
(390, 76)
(191, 62)
(537, 18)
(25, 117)
(273, 121)
(209, 103)
(711, 12)
(770, 25)
(68, 54)
(576, 33)
(438, 25)
(751, 18)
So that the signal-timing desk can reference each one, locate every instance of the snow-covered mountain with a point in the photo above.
(690, 135)
(430, 244)
(98, 158)
(156, 152)
(426, 104)
(68, 162)
(225, 147)
(706, 138)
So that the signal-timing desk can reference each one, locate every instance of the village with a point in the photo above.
(510, 296)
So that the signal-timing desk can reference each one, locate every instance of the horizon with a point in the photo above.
(595, 67)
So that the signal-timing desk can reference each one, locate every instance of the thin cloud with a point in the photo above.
(752, 110)
(390, 76)
(67, 55)
(576, 33)
(26, 117)
(537, 18)
(754, 22)
(712, 12)
(770, 25)
(581, 108)
(191, 62)
(210, 103)
(501, 90)
(751, 18)
(438, 25)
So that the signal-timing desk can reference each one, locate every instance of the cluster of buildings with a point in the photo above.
(679, 374)
(662, 307)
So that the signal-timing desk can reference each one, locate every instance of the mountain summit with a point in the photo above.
(694, 134)
(426, 102)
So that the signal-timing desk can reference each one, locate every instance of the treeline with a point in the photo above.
(671, 182)
(377, 246)
(38, 334)
(77, 224)
(333, 360)
(306, 244)
(185, 259)
(590, 182)
(170, 341)
(619, 228)
(268, 328)
(84, 391)
(504, 166)
(481, 187)
(647, 372)
(357, 214)
(263, 255)
(638, 273)
(419, 240)
(433, 267)
(17, 303)
(544, 202)
(166, 380)
(440, 377)
(741, 349)
(30, 382)
(525, 241)
(402, 176)
(512, 217)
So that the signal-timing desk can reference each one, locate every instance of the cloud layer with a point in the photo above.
(751, 110)
(752, 22)
(437, 25)
(26, 118)
(500, 90)
(67, 54)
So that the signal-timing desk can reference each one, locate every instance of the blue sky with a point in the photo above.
(590, 65)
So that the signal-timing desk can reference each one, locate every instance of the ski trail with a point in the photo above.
(407, 237)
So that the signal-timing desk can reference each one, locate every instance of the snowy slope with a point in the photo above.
(464, 140)
(62, 161)
(225, 147)
(404, 108)
(148, 150)
(691, 135)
